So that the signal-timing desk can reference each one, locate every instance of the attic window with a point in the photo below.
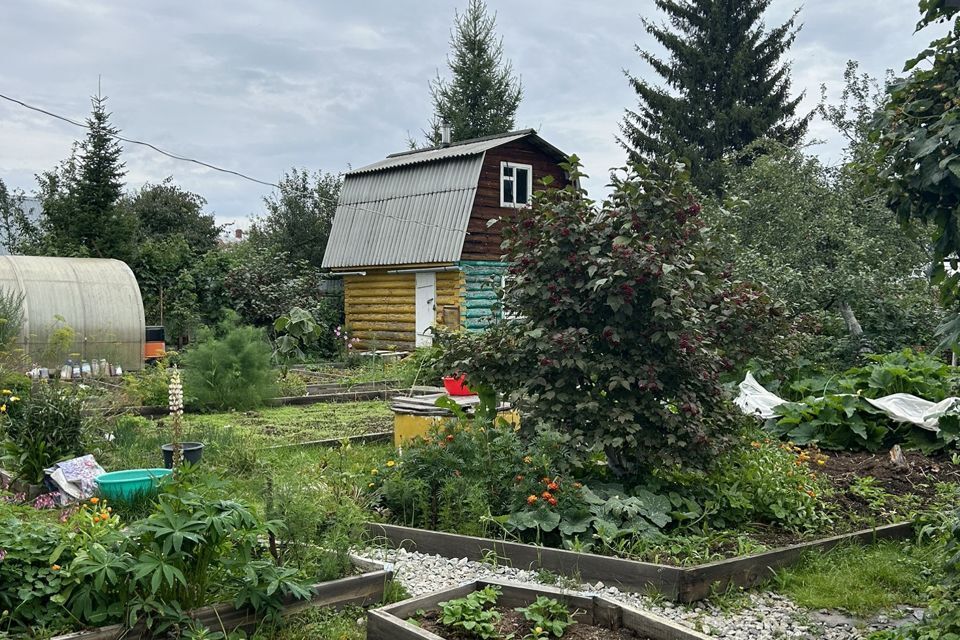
(516, 183)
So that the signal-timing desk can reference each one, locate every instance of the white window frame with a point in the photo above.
(512, 178)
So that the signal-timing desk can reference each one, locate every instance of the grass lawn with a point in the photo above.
(860, 580)
(237, 446)
(300, 423)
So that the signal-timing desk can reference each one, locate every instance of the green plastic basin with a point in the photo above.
(131, 483)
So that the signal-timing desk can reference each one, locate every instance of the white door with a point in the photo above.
(426, 307)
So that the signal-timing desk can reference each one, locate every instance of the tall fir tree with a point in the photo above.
(483, 94)
(80, 198)
(725, 86)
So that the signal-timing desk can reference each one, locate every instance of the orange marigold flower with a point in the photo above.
(55, 567)
(546, 495)
(532, 499)
(94, 500)
(450, 438)
(552, 501)
(553, 486)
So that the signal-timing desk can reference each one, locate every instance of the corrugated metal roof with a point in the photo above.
(455, 150)
(409, 215)
(413, 207)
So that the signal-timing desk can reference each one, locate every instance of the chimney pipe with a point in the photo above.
(445, 134)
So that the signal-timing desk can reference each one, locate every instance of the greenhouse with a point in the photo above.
(78, 308)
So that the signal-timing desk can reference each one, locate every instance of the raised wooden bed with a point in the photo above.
(364, 589)
(366, 438)
(683, 584)
(389, 623)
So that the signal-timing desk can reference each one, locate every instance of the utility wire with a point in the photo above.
(84, 125)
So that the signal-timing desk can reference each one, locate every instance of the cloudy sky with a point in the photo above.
(260, 86)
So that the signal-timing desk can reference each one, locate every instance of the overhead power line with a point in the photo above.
(244, 176)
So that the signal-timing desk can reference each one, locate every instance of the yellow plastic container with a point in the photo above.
(407, 426)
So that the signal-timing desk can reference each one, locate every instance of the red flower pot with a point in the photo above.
(456, 386)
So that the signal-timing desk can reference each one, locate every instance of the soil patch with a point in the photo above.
(515, 623)
(917, 477)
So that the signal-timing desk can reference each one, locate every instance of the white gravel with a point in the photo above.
(765, 616)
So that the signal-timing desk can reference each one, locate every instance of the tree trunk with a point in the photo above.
(853, 325)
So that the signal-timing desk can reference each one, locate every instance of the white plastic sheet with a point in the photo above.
(755, 400)
(902, 407)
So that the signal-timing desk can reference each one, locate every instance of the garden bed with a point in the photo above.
(364, 589)
(683, 584)
(600, 613)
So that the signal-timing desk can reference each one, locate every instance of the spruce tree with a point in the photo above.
(483, 94)
(81, 212)
(725, 86)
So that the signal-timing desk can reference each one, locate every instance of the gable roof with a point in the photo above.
(413, 207)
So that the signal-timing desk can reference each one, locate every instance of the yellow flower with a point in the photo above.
(3, 408)
(14, 398)
(373, 472)
(527, 459)
(390, 463)
(7, 391)
(370, 485)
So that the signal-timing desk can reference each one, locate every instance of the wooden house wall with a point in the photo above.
(483, 242)
(481, 281)
(380, 309)
(449, 287)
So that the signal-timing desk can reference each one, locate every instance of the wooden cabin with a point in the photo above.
(411, 239)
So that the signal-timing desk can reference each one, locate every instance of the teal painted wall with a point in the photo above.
(481, 280)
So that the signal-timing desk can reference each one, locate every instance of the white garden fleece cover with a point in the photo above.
(902, 407)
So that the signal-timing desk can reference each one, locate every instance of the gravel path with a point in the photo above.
(765, 616)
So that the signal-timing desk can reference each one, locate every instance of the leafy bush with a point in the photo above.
(192, 549)
(265, 284)
(627, 323)
(296, 333)
(321, 522)
(27, 579)
(149, 387)
(769, 483)
(42, 428)
(232, 372)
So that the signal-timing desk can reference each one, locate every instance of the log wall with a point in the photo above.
(380, 309)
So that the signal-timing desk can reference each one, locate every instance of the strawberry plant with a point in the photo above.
(549, 615)
(473, 613)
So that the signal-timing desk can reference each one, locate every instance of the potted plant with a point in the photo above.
(178, 451)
